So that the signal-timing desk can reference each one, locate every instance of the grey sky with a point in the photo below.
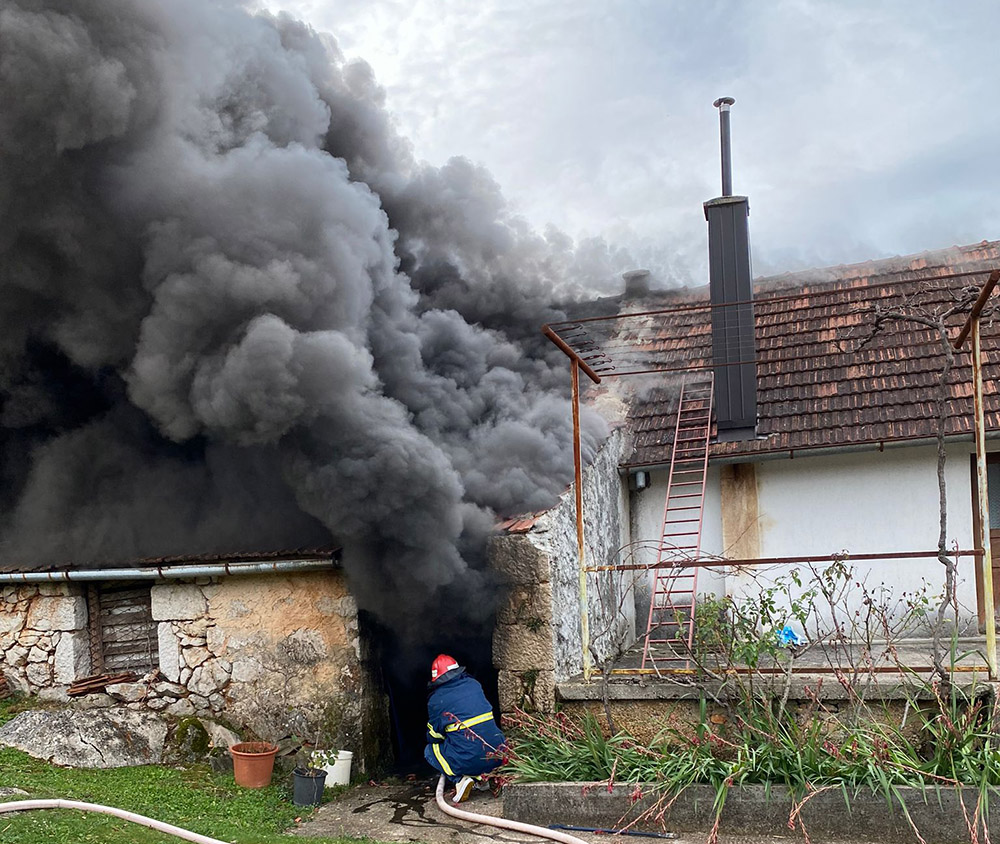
(861, 129)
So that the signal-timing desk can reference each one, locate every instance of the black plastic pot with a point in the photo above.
(308, 786)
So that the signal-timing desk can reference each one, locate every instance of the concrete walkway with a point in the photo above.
(407, 812)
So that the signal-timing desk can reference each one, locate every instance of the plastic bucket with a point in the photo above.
(253, 763)
(308, 786)
(339, 773)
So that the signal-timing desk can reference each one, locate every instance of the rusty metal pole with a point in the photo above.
(983, 501)
(581, 557)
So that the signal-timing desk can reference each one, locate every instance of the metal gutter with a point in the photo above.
(169, 572)
(811, 451)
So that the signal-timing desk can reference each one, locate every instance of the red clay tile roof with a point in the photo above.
(819, 384)
(519, 524)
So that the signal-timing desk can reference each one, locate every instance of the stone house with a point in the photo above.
(269, 644)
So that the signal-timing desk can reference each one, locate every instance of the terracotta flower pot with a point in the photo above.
(253, 763)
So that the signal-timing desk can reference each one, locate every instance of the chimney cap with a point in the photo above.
(636, 282)
(724, 101)
(631, 274)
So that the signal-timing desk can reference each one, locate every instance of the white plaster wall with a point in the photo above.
(865, 502)
(870, 502)
(647, 521)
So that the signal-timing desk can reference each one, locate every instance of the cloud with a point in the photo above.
(597, 117)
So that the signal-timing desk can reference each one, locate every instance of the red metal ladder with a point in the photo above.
(672, 605)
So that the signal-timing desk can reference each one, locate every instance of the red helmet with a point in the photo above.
(442, 664)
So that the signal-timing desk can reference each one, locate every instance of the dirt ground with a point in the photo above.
(407, 812)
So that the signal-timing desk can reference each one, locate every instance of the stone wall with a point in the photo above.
(270, 655)
(537, 641)
(43, 635)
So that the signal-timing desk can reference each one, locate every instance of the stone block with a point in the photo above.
(194, 628)
(16, 656)
(518, 560)
(529, 690)
(58, 612)
(193, 657)
(80, 739)
(169, 651)
(11, 621)
(177, 601)
(37, 654)
(518, 648)
(219, 736)
(39, 674)
(156, 704)
(180, 709)
(208, 678)
(526, 603)
(200, 703)
(16, 679)
(215, 640)
(72, 658)
(164, 688)
(128, 692)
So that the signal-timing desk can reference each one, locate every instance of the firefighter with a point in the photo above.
(463, 740)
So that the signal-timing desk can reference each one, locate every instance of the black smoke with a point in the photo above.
(237, 314)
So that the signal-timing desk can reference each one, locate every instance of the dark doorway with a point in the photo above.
(405, 669)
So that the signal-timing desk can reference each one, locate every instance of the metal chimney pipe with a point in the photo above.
(723, 104)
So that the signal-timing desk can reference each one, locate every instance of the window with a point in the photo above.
(122, 630)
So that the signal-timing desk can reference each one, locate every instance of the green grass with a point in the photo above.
(193, 798)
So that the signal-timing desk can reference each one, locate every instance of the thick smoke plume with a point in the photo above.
(238, 315)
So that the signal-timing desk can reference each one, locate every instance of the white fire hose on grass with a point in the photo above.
(187, 835)
(503, 823)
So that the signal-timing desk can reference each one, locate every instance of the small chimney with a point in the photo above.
(636, 283)
(731, 294)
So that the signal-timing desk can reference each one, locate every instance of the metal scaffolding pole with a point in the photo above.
(576, 364)
(989, 610)
(580, 552)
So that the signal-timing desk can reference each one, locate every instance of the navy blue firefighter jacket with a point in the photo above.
(463, 739)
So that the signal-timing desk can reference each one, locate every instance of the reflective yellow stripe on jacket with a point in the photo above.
(433, 733)
(469, 722)
(444, 762)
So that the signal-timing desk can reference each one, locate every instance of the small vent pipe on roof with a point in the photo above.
(723, 104)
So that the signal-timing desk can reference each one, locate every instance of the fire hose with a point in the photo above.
(25, 805)
(503, 823)
(187, 835)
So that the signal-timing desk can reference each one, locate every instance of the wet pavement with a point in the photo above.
(407, 811)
